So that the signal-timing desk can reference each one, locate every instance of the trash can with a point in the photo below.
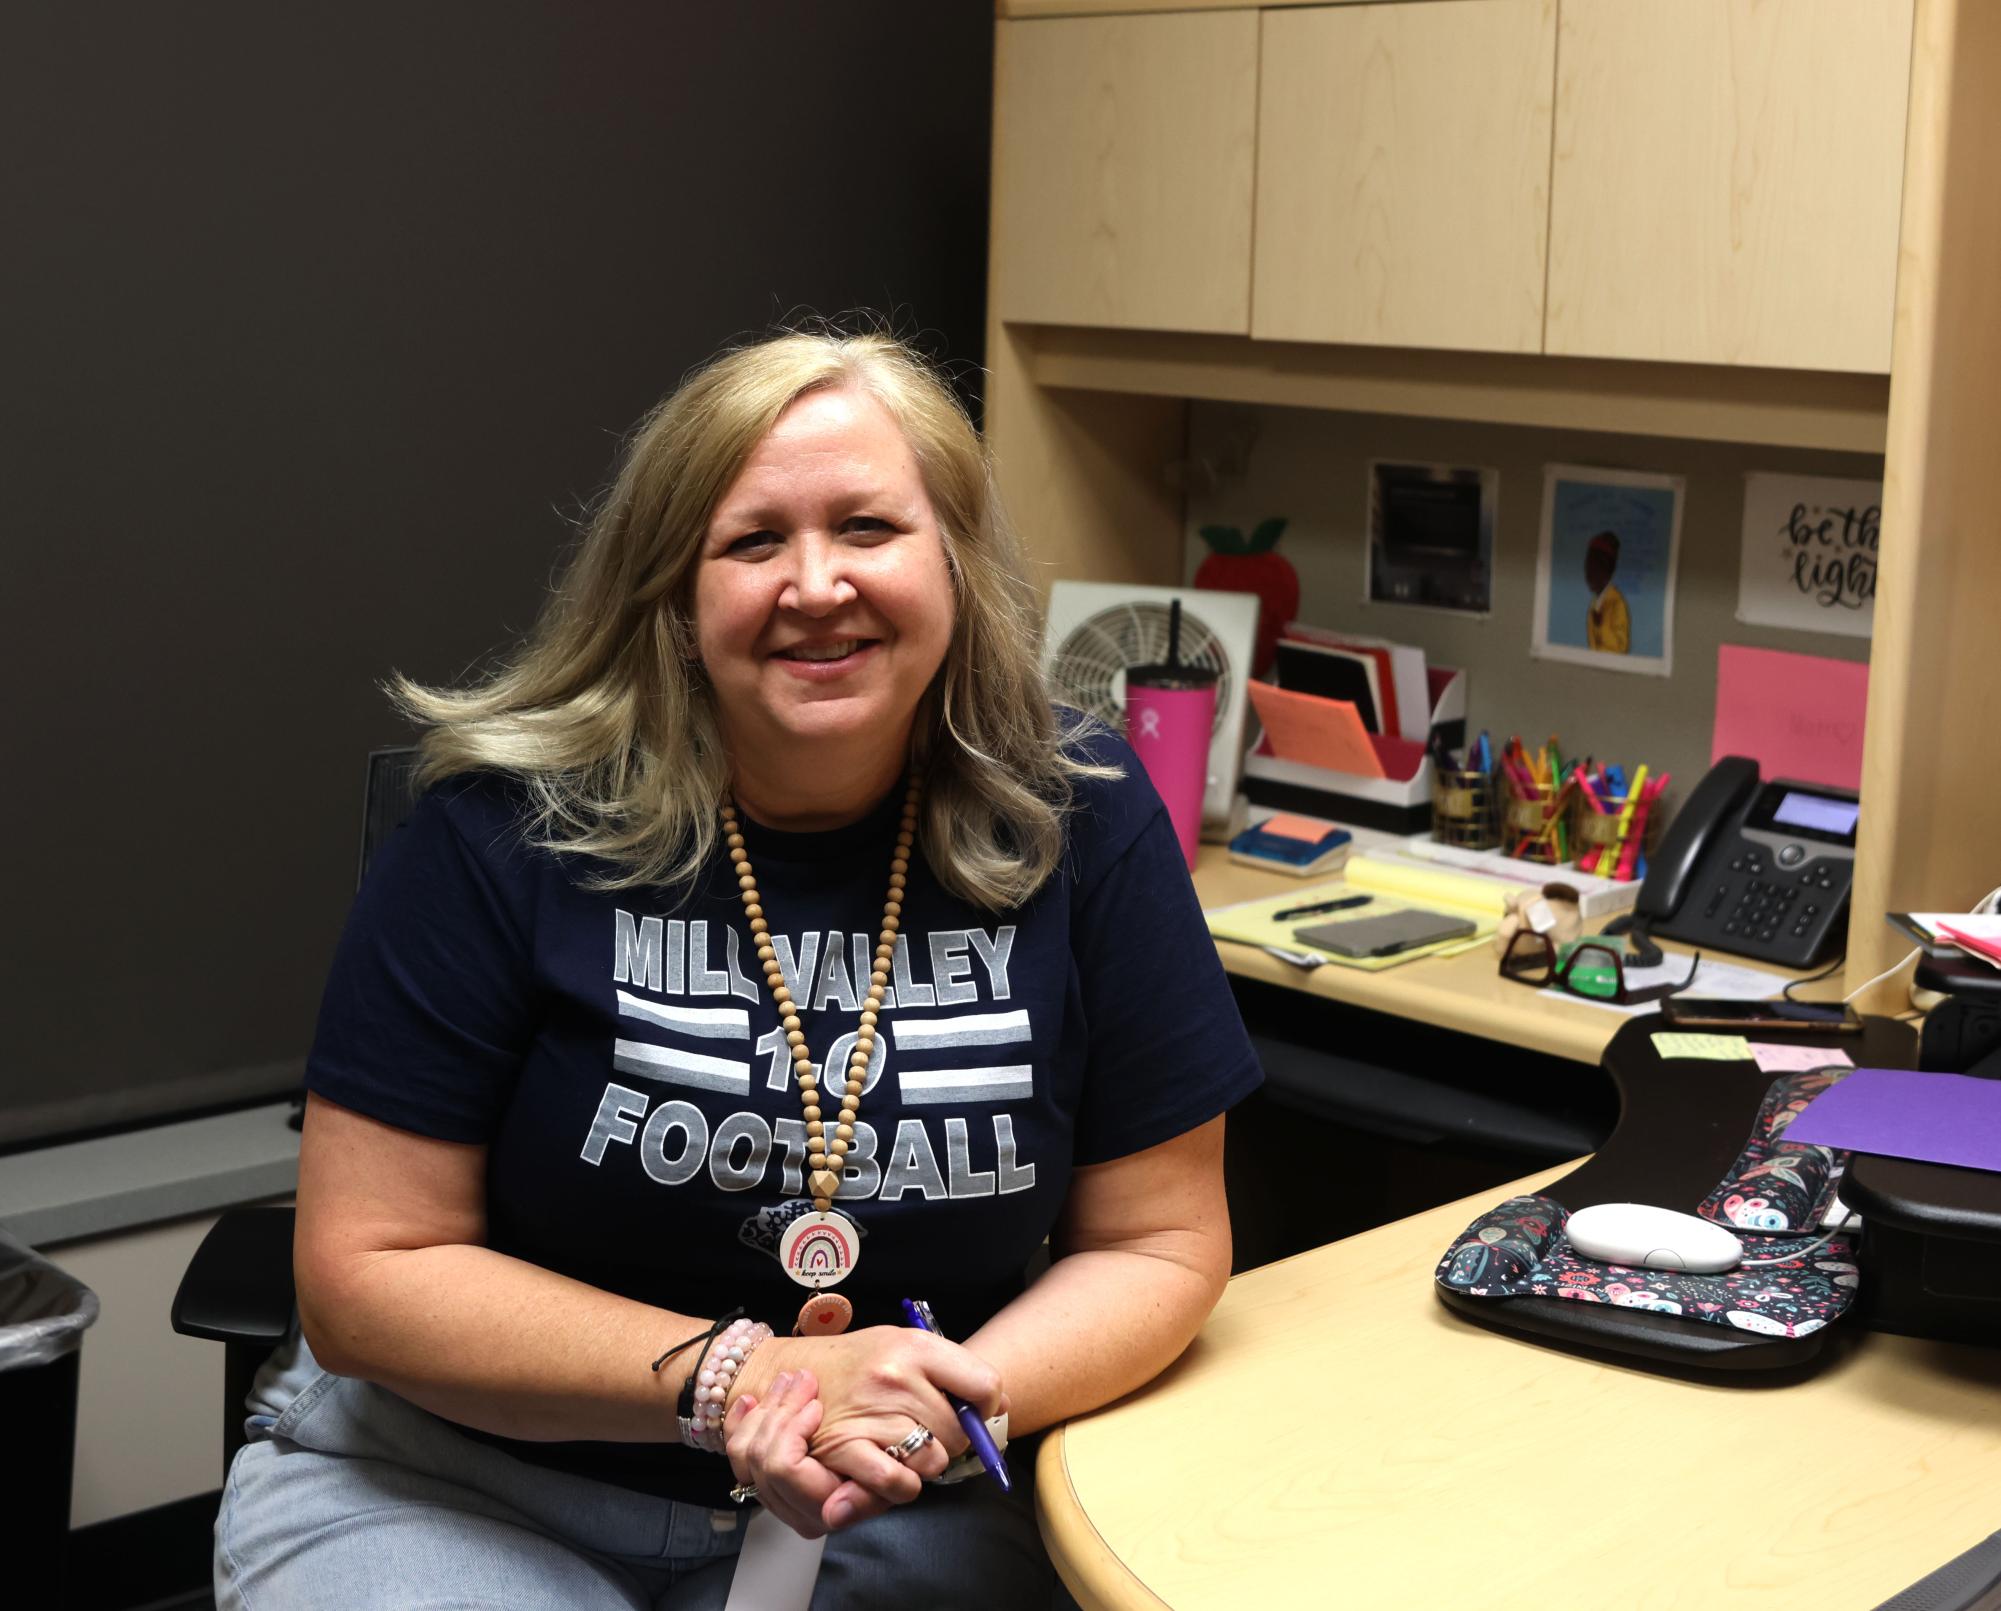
(43, 1316)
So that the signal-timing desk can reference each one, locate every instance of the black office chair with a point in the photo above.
(237, 1289)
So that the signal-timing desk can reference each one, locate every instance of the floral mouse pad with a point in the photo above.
(1518, 1250)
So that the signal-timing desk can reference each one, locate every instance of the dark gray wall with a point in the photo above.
(318, 322)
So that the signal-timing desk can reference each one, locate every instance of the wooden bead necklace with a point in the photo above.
(820, 1248)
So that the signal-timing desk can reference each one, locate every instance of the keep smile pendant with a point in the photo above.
(820, 1249)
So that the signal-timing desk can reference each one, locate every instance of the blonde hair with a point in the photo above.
(606, 716)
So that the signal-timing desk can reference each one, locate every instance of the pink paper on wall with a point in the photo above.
(1797, 715)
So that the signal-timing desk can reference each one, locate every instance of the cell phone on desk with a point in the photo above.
(1822, 1017)
(1386, 935)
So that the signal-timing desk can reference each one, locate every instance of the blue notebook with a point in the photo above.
(1283, 853)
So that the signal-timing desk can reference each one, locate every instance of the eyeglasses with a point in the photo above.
(1593, 969)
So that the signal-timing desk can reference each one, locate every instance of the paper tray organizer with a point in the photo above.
(1399, 802)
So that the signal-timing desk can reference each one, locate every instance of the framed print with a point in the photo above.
(1605, 571)
(1809, 553)
(1431, 536)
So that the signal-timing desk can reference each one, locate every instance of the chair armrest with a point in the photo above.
(238, 1286)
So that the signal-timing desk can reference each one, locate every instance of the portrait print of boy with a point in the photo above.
(1608, 624)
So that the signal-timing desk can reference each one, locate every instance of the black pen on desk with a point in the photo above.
(1318, 907)
(918, 1313)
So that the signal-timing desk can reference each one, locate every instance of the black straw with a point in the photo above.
(1174, 634)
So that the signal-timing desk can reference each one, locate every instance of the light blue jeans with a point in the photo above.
(354, 1499)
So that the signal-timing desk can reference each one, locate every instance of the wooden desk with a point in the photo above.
(1465, 992)
(1337, 1437)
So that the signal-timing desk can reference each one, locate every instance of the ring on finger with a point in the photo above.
(913, 1440)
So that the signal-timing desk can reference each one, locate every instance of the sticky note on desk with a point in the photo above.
(1307, 830)
(1716, 1048)
(1776, 1059)
(1321, 732)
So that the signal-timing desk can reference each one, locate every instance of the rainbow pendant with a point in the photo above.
(820, 1249)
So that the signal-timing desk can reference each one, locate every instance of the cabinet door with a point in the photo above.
(1727, 180)
(1403, 174)
(1123, 152)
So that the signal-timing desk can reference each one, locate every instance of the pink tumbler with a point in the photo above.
(1170, 714)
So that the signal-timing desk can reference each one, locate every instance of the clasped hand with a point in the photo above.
(812, 1417)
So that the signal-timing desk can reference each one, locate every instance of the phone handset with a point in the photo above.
(1715, 807)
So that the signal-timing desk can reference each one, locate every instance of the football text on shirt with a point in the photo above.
(958, 1059)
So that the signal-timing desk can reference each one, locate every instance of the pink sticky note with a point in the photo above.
(1797, 715)
(1308, 830)
(1776, 1059)
(1321, 732)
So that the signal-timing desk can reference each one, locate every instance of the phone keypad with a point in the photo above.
(1764, 907)
(1760, 904)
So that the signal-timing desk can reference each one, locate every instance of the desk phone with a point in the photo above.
(1759, 869)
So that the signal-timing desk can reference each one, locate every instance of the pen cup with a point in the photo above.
(1533, 821)
(1463, 808)
(1598, 845)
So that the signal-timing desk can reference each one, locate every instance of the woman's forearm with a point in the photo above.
(499, 1344)
(1096, 1325)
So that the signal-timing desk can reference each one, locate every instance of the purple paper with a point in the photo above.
(1938, 1118)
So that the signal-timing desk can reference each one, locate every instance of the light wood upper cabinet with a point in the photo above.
(1727, 180)
(1403, 174)
(1123, 163)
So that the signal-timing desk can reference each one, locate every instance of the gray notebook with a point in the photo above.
(1386, 935)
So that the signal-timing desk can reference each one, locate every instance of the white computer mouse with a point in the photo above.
(1659, 1238)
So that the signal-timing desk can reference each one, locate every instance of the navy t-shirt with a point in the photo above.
(619, 1055)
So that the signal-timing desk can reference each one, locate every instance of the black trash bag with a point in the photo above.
(43, 1312)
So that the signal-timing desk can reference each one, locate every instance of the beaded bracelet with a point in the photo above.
(705, 1390)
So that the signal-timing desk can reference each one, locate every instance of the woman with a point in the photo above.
(579, 1094)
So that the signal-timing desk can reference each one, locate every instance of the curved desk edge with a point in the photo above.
(1090, 1568)
(1078, 1551)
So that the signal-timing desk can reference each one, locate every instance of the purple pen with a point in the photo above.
(918, 1313)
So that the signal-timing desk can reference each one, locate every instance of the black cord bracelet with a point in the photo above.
(685, 1404)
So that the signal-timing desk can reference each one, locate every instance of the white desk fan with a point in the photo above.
(1097, 629)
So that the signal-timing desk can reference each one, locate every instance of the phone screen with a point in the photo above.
(1806, 1014)
(1809, 1012)
(1800, 810)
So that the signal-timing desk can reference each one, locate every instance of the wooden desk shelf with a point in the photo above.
(1780, 407)
(1389, 1453)
(1087, 411)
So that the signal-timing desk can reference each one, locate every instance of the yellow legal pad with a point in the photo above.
(1393, 887)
